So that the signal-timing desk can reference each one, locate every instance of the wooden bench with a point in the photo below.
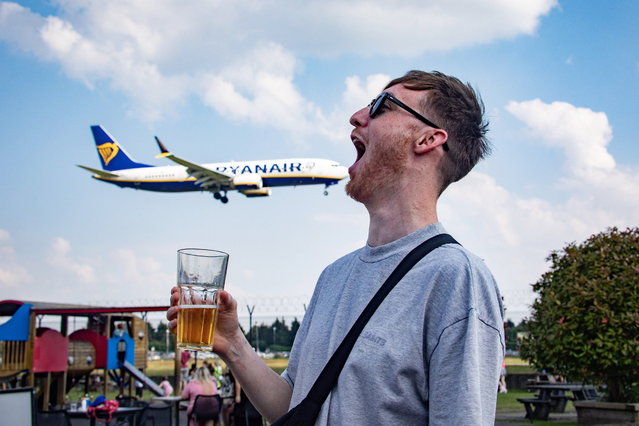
(536, 409)
(586, 394)
(558, 403)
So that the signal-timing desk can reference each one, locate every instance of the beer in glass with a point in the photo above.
(201, 274)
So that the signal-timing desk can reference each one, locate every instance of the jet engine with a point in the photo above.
(263, 192)
(247, 181)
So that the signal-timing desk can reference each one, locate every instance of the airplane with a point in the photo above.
(251, 178)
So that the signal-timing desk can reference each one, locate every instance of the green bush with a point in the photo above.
(585, 322)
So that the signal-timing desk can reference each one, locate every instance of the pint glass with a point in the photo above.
(200, 275)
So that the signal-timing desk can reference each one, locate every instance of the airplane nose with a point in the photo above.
(342, 172)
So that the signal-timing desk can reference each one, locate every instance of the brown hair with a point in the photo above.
(457, 108)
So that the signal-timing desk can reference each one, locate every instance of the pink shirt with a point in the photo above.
(193, 389)
(166, 388)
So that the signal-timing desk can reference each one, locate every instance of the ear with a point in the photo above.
(430, 140)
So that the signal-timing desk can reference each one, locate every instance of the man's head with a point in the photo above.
(457, 109)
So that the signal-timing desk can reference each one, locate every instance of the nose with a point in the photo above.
(360, 118)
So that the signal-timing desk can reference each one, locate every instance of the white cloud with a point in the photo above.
(582, 133)
(12, 273)
(21, 28)
(244, 53)
(515, 234)
(117, 278)
(59, 257)
(259, 88)
(357, 94)
(128, 278)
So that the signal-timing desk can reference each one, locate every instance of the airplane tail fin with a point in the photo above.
(112, 155)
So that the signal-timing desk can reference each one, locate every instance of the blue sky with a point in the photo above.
(246, 80)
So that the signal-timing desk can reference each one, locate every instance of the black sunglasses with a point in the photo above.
(377, 103)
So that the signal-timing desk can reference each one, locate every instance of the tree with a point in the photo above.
(585, 322)
(512, 331)
(157, 336)
(275, 337)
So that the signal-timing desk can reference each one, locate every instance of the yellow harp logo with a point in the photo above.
(108, 151)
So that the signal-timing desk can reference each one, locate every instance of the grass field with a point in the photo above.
(165, 367)
(505, 402)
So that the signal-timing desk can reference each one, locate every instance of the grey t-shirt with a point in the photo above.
(432, 352)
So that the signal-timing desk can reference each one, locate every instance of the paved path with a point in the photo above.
(517, 418)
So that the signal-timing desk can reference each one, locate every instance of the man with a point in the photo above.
(432, 352)
(185, 356)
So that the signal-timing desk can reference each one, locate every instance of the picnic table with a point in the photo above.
(130, 413)
(552, 397)
(175, 406)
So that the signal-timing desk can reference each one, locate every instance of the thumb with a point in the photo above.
(226, 301)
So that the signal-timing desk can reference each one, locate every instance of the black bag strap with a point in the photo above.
(329, 375)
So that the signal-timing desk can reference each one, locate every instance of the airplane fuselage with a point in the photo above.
(273, 173)
(251, 178)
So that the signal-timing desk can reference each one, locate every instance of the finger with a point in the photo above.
(173, 326)
(175, 297)
(172, 313)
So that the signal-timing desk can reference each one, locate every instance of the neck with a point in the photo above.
(403, 214)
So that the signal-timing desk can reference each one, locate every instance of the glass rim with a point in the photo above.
(202, 252)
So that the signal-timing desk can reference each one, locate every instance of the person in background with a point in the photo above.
(191, 374)
(244, 413)
(202, 384)
(502, 378)
(167, 389)
(119, 330)
(217, 372)
(185, 356)
(230, 400)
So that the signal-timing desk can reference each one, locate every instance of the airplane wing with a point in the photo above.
(100, 173)
(205, 177)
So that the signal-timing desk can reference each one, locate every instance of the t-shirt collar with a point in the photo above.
(402, 245)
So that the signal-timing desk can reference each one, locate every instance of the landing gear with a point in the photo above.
(222, 197)
(326, 188)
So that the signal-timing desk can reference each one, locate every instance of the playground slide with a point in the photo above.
(140, 376)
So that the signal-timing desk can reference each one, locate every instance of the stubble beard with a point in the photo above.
(379, 173)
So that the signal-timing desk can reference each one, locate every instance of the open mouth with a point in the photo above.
(360, 147)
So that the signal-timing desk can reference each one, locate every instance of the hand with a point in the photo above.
(227, 330)
(171, 313)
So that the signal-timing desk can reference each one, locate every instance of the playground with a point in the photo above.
(91, 349)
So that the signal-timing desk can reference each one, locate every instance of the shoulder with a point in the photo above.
(342, 263)
(458, 265)
(462, 283)
(336, 273)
